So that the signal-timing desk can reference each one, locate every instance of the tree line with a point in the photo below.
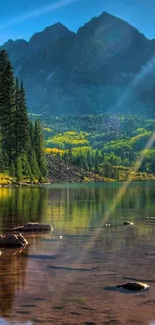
(93, 161)
(21, 141)
(110, 145)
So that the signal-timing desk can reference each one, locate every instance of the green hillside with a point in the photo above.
(114, 147)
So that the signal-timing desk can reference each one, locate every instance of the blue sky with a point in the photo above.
(22, 18)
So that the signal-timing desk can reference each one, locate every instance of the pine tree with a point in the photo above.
(21, 142)
(1, 154)
(36, 175)
(17, 119)
(26, 170)
(19, 174)
(22, 121)
(96, 165)
(7, 108)
(89, 160)
(39, 148)
(3, 65)
(31, 132)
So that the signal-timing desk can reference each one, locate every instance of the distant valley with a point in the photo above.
(106, 67)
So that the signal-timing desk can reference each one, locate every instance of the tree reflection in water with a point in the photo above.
(77, 212)
(12, 278)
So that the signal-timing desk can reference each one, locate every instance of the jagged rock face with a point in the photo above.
(107, 66)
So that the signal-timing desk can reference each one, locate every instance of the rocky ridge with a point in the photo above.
(107, 66)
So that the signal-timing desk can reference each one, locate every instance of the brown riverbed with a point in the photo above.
(72, 280)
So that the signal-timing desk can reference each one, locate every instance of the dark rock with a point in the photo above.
(12, 240)
(133, 286)
(128, 223)
(52, 238)
(58, 307)
(34, 226)
(89, 323)
(151, 218)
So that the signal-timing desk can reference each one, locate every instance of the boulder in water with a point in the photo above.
(12, 240)
(151, 218)
(128, 223)
(34, 226)
(107, 225)
(133, 286)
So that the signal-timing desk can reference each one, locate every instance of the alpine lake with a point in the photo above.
(69, 276)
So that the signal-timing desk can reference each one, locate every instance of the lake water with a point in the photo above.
(69, 280)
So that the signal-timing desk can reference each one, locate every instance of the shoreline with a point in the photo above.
(22, 185)
(60, 172)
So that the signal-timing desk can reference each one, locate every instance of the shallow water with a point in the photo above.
(72, 280)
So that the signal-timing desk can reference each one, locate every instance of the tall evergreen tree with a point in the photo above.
(17, 119)
(36, 175)
(22, 121)
(21, 142)
(7, 108)
(39, 147)
(19, 172)
(1, 154)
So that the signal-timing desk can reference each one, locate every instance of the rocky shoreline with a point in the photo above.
(61, 172)
(20, 184)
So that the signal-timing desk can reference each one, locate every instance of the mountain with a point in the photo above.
(107, 66)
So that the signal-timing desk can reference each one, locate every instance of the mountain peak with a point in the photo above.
(18, 46)
(64, 72)
(57, 25)
(107, 26)
(106, 14)
(50, 34)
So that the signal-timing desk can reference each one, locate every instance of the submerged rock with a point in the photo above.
(53, 238)
(151, 218)
(34, 226)
(107, 225)
(128, 223)
(12, 250)
(133, 286)
(12, 240)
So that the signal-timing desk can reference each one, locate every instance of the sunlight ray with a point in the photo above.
(121, 193)
(36, 13)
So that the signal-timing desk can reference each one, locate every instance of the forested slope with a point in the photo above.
(113, 147)
(21, 141)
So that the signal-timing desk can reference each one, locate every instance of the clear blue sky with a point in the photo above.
(22, 18)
